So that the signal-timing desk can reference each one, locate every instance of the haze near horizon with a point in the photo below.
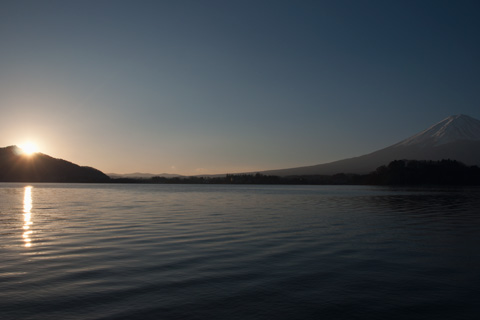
(215, 87)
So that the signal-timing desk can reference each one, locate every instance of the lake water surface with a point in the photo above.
(99, 251)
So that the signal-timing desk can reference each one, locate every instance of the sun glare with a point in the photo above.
(28, 148)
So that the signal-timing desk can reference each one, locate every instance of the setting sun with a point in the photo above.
(29, 148)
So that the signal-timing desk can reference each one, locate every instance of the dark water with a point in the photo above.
(238, 252)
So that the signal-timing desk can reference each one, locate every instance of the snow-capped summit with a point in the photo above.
(456, 137)
(454, 128)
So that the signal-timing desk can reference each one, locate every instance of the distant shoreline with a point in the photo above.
(398, 172)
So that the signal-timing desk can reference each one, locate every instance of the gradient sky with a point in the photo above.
(195, 87)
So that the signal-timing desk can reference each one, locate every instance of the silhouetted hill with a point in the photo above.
(456, 137)
(39, 167)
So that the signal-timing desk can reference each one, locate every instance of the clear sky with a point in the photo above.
(195, 87)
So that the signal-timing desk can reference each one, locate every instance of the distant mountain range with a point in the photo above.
(38, 167)
(140, 175)
(456, 137)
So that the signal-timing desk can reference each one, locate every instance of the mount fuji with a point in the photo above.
(456, 137)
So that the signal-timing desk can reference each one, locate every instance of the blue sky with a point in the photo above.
(196, 87)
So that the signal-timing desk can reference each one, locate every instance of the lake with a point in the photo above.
(119, 251)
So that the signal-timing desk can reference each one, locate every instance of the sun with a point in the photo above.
(28, 148)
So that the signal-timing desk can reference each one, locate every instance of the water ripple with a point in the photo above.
(239, 252)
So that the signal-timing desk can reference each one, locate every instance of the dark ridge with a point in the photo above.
(39, 167)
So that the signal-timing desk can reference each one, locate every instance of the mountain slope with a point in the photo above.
(451, 129)
(456, 137)
(39, 167)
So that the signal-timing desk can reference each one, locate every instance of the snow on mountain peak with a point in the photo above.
(452, 128)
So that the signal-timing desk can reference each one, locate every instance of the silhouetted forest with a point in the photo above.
(413, 172)
(398, 172)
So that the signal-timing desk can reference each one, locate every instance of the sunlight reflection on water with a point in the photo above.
(27, 216)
